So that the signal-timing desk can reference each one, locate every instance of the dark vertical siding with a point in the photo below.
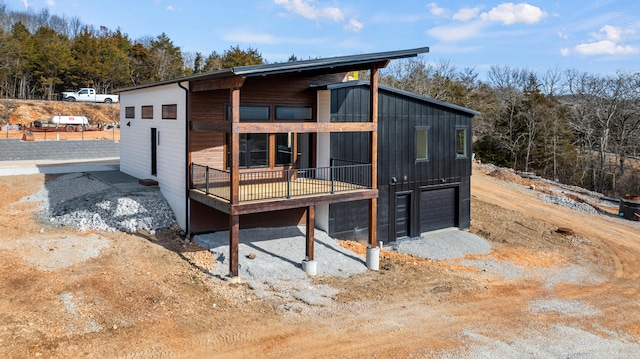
(398, 170)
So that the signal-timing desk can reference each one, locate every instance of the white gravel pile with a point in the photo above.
(568, 203)
(80, 201)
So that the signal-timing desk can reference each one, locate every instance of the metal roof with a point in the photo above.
(289, 67)
(416, 96)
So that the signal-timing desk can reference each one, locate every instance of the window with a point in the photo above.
(130, 112)
(147, 112)
(284, 148)
(169, 112)
(254, 150)
(422, 143)
(461, 142)
(251, 113)
(287, 113)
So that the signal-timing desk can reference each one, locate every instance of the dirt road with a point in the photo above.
(539, 293)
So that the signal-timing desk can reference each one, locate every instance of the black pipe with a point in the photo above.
(186, 160)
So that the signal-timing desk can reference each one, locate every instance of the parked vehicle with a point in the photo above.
(88, 95)
(72, 123)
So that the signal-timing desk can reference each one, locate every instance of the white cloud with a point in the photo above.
(563, 35)
(305, 8)
(564, 51)
(609, 42)
(605, 47)
(466, 14)
(354, 25)
(436, 10)
(510, 13)
(25, 3)
(51, 2)
(457, 32)
(171, 8)
(610, 33)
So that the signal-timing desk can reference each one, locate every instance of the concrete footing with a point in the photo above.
(373, 258)
(310, 267)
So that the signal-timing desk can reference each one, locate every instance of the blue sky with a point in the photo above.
(599, 36)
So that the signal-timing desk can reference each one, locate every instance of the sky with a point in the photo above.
(599, 36)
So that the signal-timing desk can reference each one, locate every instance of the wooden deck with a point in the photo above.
(271, 196)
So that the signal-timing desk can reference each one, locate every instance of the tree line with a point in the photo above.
(42, 55)
(574, 127)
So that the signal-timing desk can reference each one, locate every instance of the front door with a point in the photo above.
(154, 152)
(403, 212)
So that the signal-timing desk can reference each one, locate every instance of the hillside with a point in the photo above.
(24, 112)
(540, 292)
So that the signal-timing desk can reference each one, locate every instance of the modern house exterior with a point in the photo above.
(293, 143)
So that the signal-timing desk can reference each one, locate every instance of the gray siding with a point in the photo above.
(398, 170)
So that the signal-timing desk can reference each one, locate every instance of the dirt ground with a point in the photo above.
(143, 296)
(53, 135)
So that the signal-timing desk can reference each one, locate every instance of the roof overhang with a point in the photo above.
(322, 65)
(399, 92)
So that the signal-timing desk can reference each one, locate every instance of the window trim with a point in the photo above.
(130, 112)
(427, 129)
(170, 112)
(144, 115)
(247, 158)
(281, 107)
(267, 107)
(465, 151)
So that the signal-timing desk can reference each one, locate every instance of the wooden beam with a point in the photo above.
(217, 84)
(311, 223)
(210, 201)
(235, 146)
(373, 110)
(373, 203)
(302, 127)
(301, 202)
(234, 233)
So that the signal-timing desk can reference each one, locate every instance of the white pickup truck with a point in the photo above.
(88, 95)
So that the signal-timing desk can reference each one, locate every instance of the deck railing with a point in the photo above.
(285, 183)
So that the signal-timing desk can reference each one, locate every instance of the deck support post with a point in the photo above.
(234, 233)
(373, 253)
(309, 265)
(234, 196)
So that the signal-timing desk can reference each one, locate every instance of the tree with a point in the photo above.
(213, 62)
(166, 58)
(50, 59)
(235, 57)
(140, 69)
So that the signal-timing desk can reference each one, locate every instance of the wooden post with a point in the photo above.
(373, 203)
(311, 223)
(234, 166)
(234, 232)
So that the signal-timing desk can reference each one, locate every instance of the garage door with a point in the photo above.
(438, 209)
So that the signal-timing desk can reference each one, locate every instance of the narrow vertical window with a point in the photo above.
(284, 148)
(422, 144)
(461, 142)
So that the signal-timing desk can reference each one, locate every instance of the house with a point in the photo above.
(266, 145)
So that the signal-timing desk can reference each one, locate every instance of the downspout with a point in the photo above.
(186, 160)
